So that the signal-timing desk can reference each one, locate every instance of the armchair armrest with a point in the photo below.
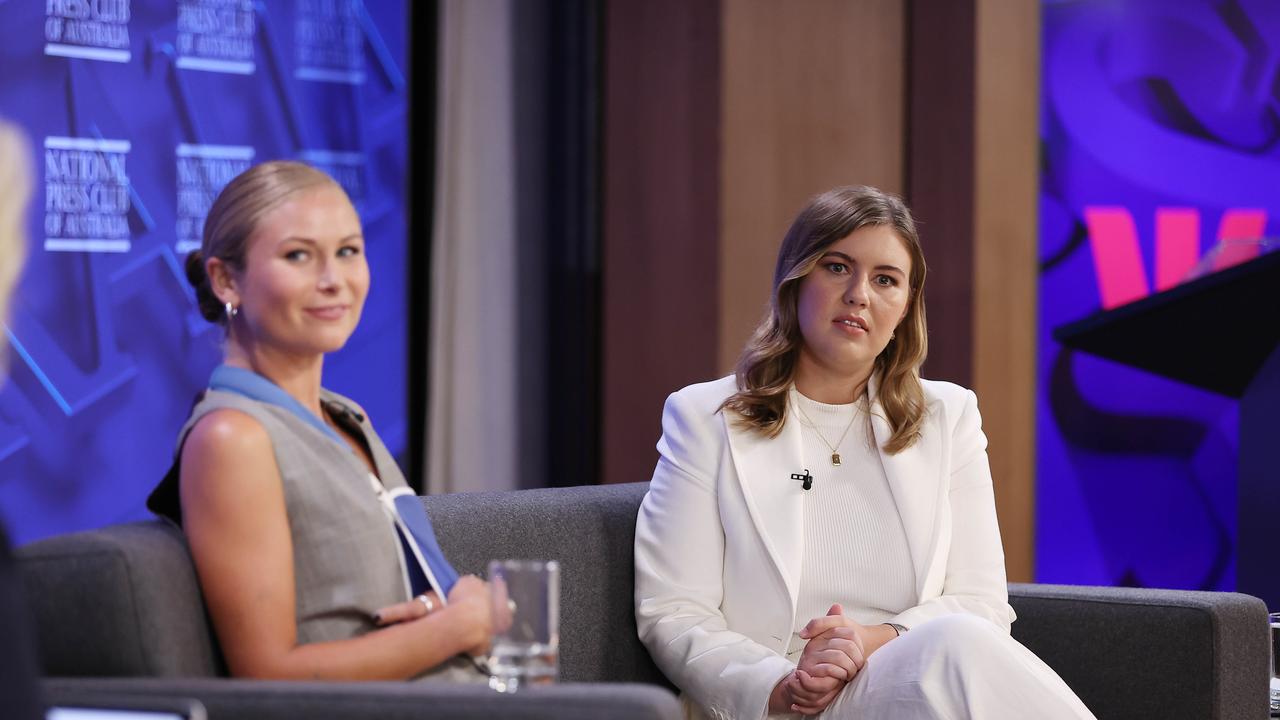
(226, 699)
(1139, 653)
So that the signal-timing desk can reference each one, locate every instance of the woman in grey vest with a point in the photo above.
(309, 565)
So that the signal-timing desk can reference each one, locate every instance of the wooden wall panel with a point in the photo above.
(971, 177)
(722, 118)
(812, 98)
(661, 192)
(1005, 262)
(940, 163)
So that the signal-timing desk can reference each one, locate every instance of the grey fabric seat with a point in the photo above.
(123, 601)
(18, 672)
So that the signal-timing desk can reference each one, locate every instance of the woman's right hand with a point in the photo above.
(829, 661)
(470, 606)
(421, 606)
(804, 693)
(827, 664)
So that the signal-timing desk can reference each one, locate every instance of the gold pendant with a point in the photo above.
(835, 459)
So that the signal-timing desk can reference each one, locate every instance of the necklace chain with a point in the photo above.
(835, 454)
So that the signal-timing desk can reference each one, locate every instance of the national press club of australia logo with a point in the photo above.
(203, 170)
(216, 36)
(87, 29)
(86, 194)
(328, 42)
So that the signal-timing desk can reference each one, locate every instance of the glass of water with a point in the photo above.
(1275, 664)
(526, 623)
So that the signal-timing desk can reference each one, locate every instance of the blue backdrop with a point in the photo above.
(139, 111)
(1159, 134)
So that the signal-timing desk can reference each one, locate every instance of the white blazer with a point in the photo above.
(720, 540)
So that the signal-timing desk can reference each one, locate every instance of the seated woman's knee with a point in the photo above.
(959, 631)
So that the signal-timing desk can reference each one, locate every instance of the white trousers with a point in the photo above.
(953, 668)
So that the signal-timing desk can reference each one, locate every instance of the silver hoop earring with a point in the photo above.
(231, 310)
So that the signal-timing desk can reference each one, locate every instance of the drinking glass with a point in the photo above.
(526, 623)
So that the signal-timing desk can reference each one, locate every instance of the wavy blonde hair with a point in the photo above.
(15, 191)
(766, 368)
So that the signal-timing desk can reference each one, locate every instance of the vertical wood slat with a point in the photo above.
(812, 98)
(971, 177)
(940, 165)
(660, 280)
(1006, 276)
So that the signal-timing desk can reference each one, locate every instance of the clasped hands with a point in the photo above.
(836, 652)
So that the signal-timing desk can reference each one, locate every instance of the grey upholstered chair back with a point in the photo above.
(122, 600)
(590, 531)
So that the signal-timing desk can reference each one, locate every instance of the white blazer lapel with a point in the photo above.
(764, 466)
(914, 482)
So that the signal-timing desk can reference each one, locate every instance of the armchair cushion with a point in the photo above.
(283, 700)
(123, 600)
(1137, 653)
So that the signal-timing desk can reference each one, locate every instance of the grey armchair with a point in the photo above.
(118, 610)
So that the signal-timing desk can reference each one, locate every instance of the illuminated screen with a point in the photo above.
(1159, 135)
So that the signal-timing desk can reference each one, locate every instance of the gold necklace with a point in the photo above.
(835, 454)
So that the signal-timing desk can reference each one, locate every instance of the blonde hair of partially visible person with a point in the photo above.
(236, 213)
(766, 368)
(15, 192)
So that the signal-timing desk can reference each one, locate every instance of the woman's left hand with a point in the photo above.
(828, 662)
(420, 606)
(868, 637)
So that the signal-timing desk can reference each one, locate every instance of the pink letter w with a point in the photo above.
(1117, 261)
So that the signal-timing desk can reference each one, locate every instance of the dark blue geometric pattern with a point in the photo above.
(138, 113)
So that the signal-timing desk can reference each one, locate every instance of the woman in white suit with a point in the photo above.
(820, 534)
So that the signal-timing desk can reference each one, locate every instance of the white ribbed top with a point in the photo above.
(855, 546)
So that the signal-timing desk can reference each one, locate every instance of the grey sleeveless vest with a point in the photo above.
(347, 559)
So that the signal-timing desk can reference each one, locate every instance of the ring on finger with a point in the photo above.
(427, 602)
